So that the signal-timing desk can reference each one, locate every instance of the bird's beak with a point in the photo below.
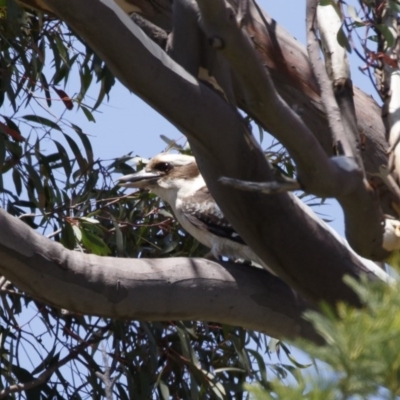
(140, 180)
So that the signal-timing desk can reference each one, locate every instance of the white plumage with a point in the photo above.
(176, 179)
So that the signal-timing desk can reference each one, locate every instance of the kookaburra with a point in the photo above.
(176, 179)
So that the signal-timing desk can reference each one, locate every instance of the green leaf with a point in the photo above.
(94, 244)
(170, 142)
(89, 220)
(273, 345)
(261, 366)
(343, 40)
(14, 148)
(64, 158)
(216, 387)
(77, 153)
(187, 349)
(11, 124)
(17, 181)
(394, 5)
(42, 121)
(164, 390)
(229, 369)
(61, 47)
(24, 203)
(260, 132)
(37, 183)
(56, 54)
(296, 363)
(86, 143)
(14, 13)
(389, 35)
(353, 14)
(61, 74)
(2, 151)
(88, 114)
(77, 232)
(122, 395)
(67, 236)
(100, 98)
(86, 80)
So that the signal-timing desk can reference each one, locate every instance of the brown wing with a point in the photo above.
(203, 212)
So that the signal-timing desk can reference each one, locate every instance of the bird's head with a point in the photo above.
(165, 171)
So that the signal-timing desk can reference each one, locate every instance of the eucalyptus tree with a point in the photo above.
(211, 68)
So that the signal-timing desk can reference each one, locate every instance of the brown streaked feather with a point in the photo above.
(188, 171)
(201, 210)
(180, 171)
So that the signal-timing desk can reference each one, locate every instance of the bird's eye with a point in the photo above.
(163, 166)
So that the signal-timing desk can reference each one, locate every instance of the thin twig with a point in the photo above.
(19, 387)
(50, 235)
(106, 377)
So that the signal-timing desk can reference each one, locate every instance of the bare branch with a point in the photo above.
(317, 173)
(390, 85)
(328, 98)
(272, 187)
(149, 289)
(220, 21)
(155, 33)
(337, 66)
(45, 375)
(347, 141)
(185, 39)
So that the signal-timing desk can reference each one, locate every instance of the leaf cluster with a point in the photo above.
(361, 351)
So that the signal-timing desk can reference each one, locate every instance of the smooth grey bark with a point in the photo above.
(293, 243)
(290, 69)
(334, 79)
(324, 176)
(149, 289)
(360, 202)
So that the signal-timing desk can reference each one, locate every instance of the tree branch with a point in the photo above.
(155, 33)
(272, 187)
(318, 174)
(288, 64)
(368, 217)
(328, 99)
(338, 69)
(340, 178)
(46, 374)
(263, 99)
(149, 289)
(185, 39)
(277, 227)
